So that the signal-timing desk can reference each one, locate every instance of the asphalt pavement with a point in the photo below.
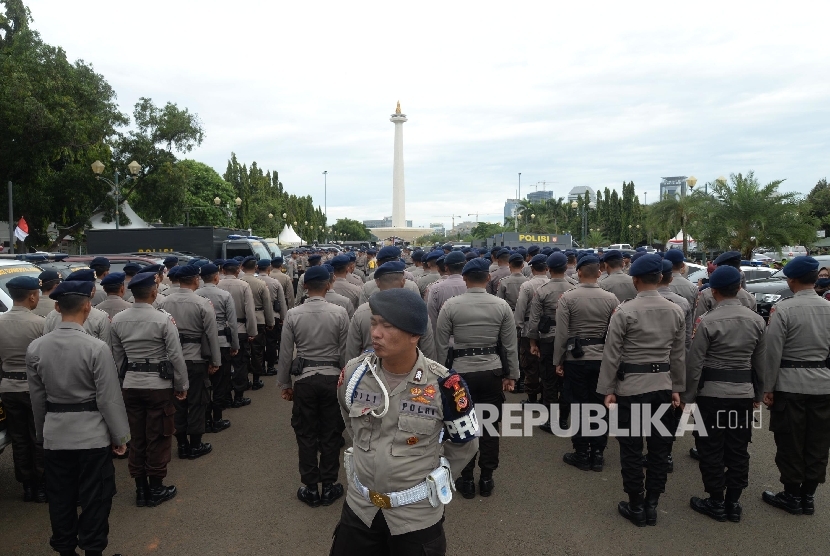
(241, 499)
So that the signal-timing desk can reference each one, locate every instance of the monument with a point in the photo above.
(399, 228)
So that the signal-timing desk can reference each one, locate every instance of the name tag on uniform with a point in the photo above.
(419, 409)
(368, 398)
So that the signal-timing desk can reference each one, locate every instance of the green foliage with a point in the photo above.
(819, 199)
(596, 239)
(346, 229)
(202, 186)
(431, 239)
(484, 230)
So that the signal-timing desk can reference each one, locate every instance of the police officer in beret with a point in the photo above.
(354, 275)
(280, 306)
(529, 364)
(130, 269)
(797, 385)
(722, 377)
(313, 260)
(334, 297)
(19, 327)
(679, 284)
(148, 354)
(388, 253)
(502, 260)
(431, 273)
(341, 285)
(265, 320)
(417, 260)
(705, 301)
(398, 406)
(70, 371)
(665, 290)
(101, 266)
(243, 301)
(508, 288)
(318, 331)
(532, 251)
(484, 353)
(292, 269)
(195, 319)
(644, 369)
(287, 287)
(113, 285)
(169, 263)
(96, 324)
(616, 281)
(49, 280)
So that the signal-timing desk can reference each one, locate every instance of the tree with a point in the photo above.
(351, 230)
(819, 199)
(671, 215)
(596, 239)
(202, 186)
(483, 230)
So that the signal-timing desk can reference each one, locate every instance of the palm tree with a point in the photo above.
(596, 239)
(670, 215)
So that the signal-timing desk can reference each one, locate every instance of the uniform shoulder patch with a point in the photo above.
(438, 370)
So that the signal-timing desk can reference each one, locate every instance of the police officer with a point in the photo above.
(616, 281)
(397, 405)
(49, 280)
(502, 260)
(97, 323)
(722, 377)
(148, 354)
(243, 301)
(679, 284)
(113, 285)
(264, 318)
(220, 381)
(101, 266)
(529, 364)
(797, 384)
(291, 269)
(130, 269)
(532, 251)
(508, 287)
(478, 323)
(388, 276)
(388, 253)
(643, 369)
(341, 285)
(334, 297)
(312, 260)
(69, 371)
(417, 259)
(665, 290)
(705, 301)
(353, 275)
(280, 307)
(196, 321)
(541, 332)
(441, 291)
(287, 288)
(581, 323)
(169, 263)
(19, 327)
(318, 331)
(431, 273)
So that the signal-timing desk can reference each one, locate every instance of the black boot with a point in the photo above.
(694, 454)
(220, 425)
(240, 401)
(671, 465)
(40, 494)
(486, 485)
(546, 427)
(652, 498)
(158, 493)
(184, 446)
(257, 383)
(209, 426)
(141, 488)
(709, 506)
(789, 500)
(633, 509)
(579, 459)
(28, 492)
(331, 492)
(597, 460)
(271, 371)
(310, 495)
(199, 449)
(808, 498)
(466, 486)
(732, 506)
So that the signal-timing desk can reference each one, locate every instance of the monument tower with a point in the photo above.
(398, 190)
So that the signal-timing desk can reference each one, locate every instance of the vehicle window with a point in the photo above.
(272, 247)
(9, 272)
(260, 251)
(237, 250)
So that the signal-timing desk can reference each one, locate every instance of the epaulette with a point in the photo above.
(438, 370)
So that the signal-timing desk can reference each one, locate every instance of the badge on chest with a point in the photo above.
(409, 407)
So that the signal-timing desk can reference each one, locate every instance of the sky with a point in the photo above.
(591, 94)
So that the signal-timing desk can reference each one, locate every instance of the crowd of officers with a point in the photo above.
(397, 347)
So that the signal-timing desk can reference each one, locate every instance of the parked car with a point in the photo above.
(117, 260)
(620, 246)
(10, 268)
(786, 253)
(751, 272)
(771, 289)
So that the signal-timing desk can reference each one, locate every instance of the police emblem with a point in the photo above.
(419, 374)
(412, 440)
(415, 391)
(342, 377)
(429, 391)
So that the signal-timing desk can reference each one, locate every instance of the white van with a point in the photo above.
(787, 252)
(619, 246)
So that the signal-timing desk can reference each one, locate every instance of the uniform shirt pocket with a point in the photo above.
(362, 424)
(413, 435)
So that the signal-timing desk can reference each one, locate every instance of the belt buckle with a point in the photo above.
(655, 367)
(380, 500)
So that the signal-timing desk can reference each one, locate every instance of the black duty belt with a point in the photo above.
(190, 339)
(71, 407)
(644, 368)
(14, 376)
(727, 375)
(469, 352)
(790, 364)
(143, 367)
(590, 341)
(242, 320)
(307, 363)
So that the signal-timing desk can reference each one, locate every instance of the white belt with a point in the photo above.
(393, 499)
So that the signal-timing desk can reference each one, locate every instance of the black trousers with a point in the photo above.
(801, 426)
(580, 387)
(552, 384)
(353, 537)
(151, 416)
(90, 476)
(485, 387)
(257, 361)
(728, 424)
(272, 344)
(531, 366)
(190, 412)
(240, 363)
(20, 425)
(220, 382)
(659, 446)
(318, 426)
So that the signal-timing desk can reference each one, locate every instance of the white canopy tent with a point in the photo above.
(289, 237)
(97, 222)
(677, 241)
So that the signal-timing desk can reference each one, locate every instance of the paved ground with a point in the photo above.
(241, 499)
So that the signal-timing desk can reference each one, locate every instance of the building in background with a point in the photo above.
(510, 208)
(582, 191)
(438, 228)
(673, 187)
(539, 196)
(385, 223)
(463, 228)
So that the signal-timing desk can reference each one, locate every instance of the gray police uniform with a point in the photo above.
(509, 288)
(44, 306)
(723, 370)
(264, 318)
(143, 339)
(687, 309)
(424, 281)
(543, 307)
(684, 288)
(643, 363)
(317, 330)
(79, 414)
(620, 284)
(342, 301)
(287, 289)
(360, 335)
(100, 295)
(97, 324)
(706, 301)
(280, 305)
(225, 310)
(243, 301)
(529, 364)
(113, 305)
(371, 287)
(495, 277)
(348, 290)
(796, 371)
(19, 327)
(476, 322)
(440, 292)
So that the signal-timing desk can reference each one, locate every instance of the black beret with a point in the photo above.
(142, 280)
(389, 252)
(209, 269)
(516, 258)
(587, 259)
(173, 273)
(454, 257)
(557, 260)
(99, 261)
(402, 308)
(132, 268)
(249, 258)
(72, 287)
(729, 256)
(667, 267)
(263, 263)
(470, 256)
(153, 268)
(82, 275)
(188, 271)
(476, 265)
(799, 266)
(724, 276)
(647, 264)
(316, 273)
(230, 263)
(503, 252)
(340, 261)
(276, 262)
(637, 255)
(538, 259)
(170, 261)
(674, 255)
(612, 255)
(24, 283)
(533, 249)
(434, 255)
(113, 278)
(329, 268)
(392, 267)
(417, 255)
(314, 258)
(48, 276)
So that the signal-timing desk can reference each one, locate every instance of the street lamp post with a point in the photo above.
(238, 202)
(585, 208)
(98, 169)
(325, 193)
(532, 219)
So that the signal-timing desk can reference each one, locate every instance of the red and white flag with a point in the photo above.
(22, 230)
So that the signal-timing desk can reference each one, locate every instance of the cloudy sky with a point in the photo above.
(594, 94)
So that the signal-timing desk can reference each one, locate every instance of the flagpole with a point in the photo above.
(11, 220)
